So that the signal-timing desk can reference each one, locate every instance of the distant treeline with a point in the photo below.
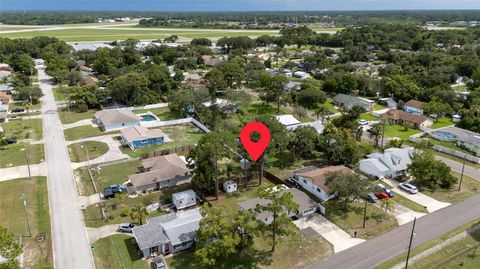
(240, 19)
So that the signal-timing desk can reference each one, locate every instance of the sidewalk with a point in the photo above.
(78, 124)
(340, 239)
(22, 171)
(402, 214)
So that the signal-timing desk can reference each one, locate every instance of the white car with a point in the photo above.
(408, 188)
(362, 122)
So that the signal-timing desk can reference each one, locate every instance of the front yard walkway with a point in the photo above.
(98, 233)
(22, 171)
(78, 124)
(86, 201)
(114, 152)
(428, 202)
(340, 239)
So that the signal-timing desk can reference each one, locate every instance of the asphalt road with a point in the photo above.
(389, 245)
(457, 167)
(70, 242)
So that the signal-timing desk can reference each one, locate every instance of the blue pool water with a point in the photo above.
(148, 117)
(443, 134)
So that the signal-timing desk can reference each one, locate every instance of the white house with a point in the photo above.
(287, 120)
(230, 186)
(392, 163)
(318, 126)
(414, 107)
(184, 199)
(313, 179)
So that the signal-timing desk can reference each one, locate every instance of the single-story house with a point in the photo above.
(168, 234)
(158, 173)
(3, 112)
(395, 116)
(292, 85)
(389, 102)
(88, 45)
(414, 107)
(194, 80)
(5, 67)
(140, 136)
(116, 119)
(301, 75)
(6, 87)
(348, 101)
(392, 163)
(184, 199)
(223, 105)
(5, 98)
(313, 179)
(287, 120)
(306, 206)
(209, 60)
(318, 126)
(230, 186)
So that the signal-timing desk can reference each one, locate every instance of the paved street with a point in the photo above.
(70, 243)
(457, 167)
(389, 245)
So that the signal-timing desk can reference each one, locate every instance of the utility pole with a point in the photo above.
(410, 244)
(27, 157)
(22, 197)
(383, 131)
(365, 213)
(463, 169)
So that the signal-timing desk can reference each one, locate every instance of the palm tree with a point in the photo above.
(388, 205)
(321, 111)
(139, 213)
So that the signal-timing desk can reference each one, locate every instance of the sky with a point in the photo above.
(236, 5)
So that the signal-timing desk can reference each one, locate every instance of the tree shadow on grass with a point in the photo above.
(133, 251)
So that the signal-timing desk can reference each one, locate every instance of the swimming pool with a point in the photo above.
(148, 117)
(442, 135)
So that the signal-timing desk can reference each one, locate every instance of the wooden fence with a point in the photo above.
(180, 150)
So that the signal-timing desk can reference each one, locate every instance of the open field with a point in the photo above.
(70, 117)
(23, 129)
(12, 216)
(16, 154)
(84, 132)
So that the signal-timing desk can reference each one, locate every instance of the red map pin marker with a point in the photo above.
(255, 149)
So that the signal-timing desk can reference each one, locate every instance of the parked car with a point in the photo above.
(375, 122)
(11, 140)
(372, 198)
(126, 227)
(408, 187)
(14, 118)
(362, 122)
(382, 196)
(159, 263)
(18, 110)
(330, 113)
(108, 193)
(385, 189)
(117, 188)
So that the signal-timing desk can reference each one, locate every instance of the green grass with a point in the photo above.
(460, 160)
(80, 132)
(15, 155)
(23, 129)
(163, 113)
(378, 107)
(470, 187)
(415, 251)
(182, 135)
(72, 116)
(79, 154)
(114, 34)
(22, 105)
(443, 122)
(12, 217)
(107, 175)
(399, 131)
(117, 252)
(448, 144)
(368, 116)
(351, 219)
(464, 253)
(119, 213)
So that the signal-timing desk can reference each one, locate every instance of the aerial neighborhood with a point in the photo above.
(121, 145)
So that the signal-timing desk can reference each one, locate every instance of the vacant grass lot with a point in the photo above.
(399, 131)
(72, 116)
(16, 154)
(118, 252)
(181, 135)
(104, 176)
(76, 133)
(351, 219)
(443, 122)
(79, 154)
(23, 129)
(12, 216)
(470, 187)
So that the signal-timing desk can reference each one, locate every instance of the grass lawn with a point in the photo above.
(162, 113)
(105, 176)
(454, 158)
(23, 129)
(447, 144)
(351, 219)
(401, 258)
(470, 187)
(119, 213)
(368, 116)
(464, 253)
(378, 107)
(399, 131)
(22, 105)
(79, 154)
(76, 133)
(181, 135)
(12, 217)
(117, 252)
(72, 116)
(15, 154)
(443, 122)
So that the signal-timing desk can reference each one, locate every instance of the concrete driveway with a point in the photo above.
(95, 234)
(340, 239)
(431, 204)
